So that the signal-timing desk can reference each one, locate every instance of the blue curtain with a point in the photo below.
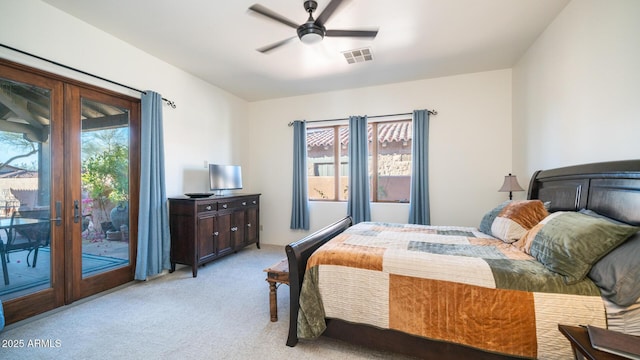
(153, 218)
(358, 206)
(419, 197)
(1, 316)
(300, 198)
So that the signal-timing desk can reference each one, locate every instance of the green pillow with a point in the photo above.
(569, 243)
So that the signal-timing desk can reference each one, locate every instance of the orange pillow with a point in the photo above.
(512, 219)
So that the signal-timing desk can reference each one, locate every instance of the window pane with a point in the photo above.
(394, 161)
(370, 156)
(344, 162)
(321, 163)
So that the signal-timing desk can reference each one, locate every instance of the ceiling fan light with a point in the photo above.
(311, 38)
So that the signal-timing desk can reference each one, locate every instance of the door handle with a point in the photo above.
(58, 219)
(76, 211)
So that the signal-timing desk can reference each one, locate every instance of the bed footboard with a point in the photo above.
(297, 254)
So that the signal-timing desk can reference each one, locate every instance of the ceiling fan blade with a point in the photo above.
(328, 11)
(266, 49)
(352, 33)
(259, 9)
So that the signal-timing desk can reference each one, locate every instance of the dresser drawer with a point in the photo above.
(226, 205)
(237, 204)
(208, 206)
(248, 201)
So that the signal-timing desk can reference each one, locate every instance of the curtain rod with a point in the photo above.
(431, 112)
(169, 102)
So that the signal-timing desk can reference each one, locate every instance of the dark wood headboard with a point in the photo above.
(609, 188)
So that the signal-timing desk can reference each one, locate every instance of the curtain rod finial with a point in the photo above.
(170, 103)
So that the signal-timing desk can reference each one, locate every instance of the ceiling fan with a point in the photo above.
(312, 31)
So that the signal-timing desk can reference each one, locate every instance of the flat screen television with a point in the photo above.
(225, 177)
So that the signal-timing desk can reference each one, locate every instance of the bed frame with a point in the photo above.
(609, 188)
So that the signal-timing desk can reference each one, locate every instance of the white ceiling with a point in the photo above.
(417, 39)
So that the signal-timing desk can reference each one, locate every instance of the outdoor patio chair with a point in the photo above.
(21, 237)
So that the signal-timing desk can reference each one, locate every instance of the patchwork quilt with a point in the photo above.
(453, 284)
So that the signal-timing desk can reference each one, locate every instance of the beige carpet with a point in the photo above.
(221, 314)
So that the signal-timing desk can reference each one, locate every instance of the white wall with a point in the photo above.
(576, 92)
(470, 147)
(207, 124)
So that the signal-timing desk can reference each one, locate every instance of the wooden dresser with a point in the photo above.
(205, 229)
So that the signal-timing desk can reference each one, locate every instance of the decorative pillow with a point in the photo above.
(488, 218)
(617, 273)
(510, 220)
(569, 243)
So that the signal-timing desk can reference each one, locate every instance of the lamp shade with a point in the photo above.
(510, 184)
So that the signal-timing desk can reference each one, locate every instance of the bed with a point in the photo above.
(458, 292)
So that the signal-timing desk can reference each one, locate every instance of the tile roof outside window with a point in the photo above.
(387, 132)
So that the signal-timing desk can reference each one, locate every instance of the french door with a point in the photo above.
(69, 170)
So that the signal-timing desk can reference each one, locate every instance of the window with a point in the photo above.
(389, 161)
(328, 178)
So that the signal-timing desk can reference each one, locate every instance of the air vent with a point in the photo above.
(358, 55)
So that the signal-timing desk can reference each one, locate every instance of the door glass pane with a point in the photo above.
(105, 187)
(25, 174)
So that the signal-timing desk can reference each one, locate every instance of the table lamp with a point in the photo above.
(510, 185)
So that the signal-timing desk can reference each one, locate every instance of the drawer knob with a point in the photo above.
(254, 202)
(208, 207)
(244, 203)
(215, 233)
(234, 228)
(224, 206)
(249, 225)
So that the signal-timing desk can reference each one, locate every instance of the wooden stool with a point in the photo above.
(276, 274)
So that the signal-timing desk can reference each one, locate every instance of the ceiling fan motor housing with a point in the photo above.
(310, 32)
